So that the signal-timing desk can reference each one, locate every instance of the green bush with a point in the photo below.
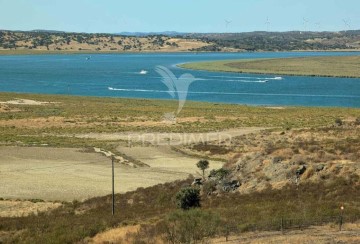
(219, 174)
(188, 198)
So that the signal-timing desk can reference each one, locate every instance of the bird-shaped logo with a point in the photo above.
(177, 86)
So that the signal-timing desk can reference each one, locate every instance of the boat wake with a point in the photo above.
(249, 81)
(249, 78)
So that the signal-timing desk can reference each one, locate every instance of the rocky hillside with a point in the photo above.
(275, 159)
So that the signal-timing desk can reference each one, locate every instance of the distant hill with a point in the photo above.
(164, 33)
(280, 41)
(44, 41)
(171, 41)
(47, 31)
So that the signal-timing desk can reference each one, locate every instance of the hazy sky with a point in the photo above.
(181, 15)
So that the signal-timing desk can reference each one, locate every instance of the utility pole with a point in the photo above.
(113, 186)
(341, 217)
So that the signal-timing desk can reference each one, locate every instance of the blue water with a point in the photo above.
(75, 75)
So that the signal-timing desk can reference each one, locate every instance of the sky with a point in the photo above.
(113, 16)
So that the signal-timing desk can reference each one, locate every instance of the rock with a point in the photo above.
(301, 170)
(320, 167)
(197, 181)
(231, 186)
(338, 167)
(277, 160)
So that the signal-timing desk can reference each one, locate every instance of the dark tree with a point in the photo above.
(188, 198)
(203, 165)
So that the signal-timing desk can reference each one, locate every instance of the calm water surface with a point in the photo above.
(118, 75)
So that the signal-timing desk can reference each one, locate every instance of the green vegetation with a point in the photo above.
(310, 66)
(203, 165)
(188, 198)
(191, 226)
(219, 174)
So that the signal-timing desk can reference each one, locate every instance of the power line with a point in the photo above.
(113, 185)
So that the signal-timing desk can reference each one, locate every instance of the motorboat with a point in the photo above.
(143, 72)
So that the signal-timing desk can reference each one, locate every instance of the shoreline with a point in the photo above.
(166, 101)
(84, 52)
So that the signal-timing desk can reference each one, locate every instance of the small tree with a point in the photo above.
(203, 165)
(188, 198)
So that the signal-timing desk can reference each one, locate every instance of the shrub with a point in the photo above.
(209, 187)
(191, 226)
(338, 122)
(357, 121)
(219, 174)
(188, 198)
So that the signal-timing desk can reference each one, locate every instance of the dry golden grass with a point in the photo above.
(12, 208)
(116, 235)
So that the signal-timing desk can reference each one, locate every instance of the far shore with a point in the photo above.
(52, 52)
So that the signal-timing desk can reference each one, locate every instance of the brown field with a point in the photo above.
(73, 173)
(68, 173)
